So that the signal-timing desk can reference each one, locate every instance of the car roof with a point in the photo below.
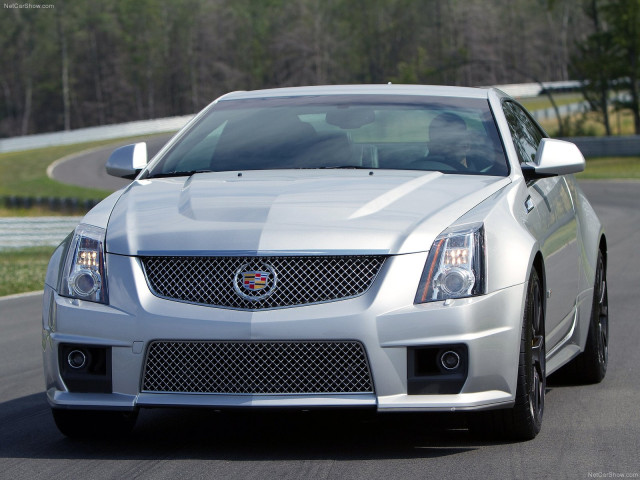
(382, 89)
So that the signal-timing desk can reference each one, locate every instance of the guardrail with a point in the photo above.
(91, 134)
(35, 231)
(626, 146)
(563, 110)
(590, 146)
(528, 90)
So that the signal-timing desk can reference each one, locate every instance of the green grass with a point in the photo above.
(590, 124)
(23, 270)
(610, 168)
(542, 102)
(36, 211)
(25, 173)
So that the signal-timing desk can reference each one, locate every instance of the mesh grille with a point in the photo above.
(257, 368)
(278, 281)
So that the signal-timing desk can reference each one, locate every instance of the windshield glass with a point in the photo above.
(451, 135)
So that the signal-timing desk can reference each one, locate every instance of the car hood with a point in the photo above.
(300, 211)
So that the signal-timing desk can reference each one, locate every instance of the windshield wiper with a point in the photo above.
(187, 173)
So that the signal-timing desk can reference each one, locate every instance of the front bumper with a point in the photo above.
(385, 320)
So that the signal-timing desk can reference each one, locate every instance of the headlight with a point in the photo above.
(455, 265)
(84, 274)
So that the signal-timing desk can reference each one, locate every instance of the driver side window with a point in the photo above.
(525, 134)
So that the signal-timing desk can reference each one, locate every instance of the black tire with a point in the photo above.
(524, 420)
(92, 424)
(591, 365)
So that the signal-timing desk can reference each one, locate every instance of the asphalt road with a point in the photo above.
(87, 168)
(590, 431)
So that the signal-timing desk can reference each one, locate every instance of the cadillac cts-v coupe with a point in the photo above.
(398, 248)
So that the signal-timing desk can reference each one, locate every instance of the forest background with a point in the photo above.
(69, 64)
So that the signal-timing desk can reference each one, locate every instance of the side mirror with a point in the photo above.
(127, 161)
(554, 157)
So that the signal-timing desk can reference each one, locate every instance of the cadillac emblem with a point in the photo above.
(255, 283)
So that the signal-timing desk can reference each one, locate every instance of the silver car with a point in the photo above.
(398, 248)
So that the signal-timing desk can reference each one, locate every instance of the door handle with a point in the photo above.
(528, 204)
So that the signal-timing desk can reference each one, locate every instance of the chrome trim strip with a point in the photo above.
(568, 337)
(255, 253)
(447, 408)
(233, 401)
(157, 392)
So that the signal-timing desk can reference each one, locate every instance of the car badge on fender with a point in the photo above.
(253, 284)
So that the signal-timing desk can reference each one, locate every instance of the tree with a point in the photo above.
(624, 19)
(609, 58)
(90, 62)
(595, 64)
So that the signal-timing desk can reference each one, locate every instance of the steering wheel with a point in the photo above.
(439, 165)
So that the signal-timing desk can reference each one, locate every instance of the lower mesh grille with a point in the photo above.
(257, 368)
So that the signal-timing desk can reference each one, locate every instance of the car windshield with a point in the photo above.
(451, 135)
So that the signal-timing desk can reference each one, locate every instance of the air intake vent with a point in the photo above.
(257, 368)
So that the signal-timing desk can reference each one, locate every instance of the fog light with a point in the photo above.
(76, 359)
(450, 360)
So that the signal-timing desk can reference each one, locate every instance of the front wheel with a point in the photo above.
(94, 424)
(524, 420)
(591, 365)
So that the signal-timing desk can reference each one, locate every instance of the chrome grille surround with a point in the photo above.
(301, 280)
(257, 367)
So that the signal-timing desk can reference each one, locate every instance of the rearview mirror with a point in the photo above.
(554, 157)
(127, 161)
(350, 118)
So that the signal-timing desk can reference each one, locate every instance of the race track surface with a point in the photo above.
(589, 431)
(86, 169)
